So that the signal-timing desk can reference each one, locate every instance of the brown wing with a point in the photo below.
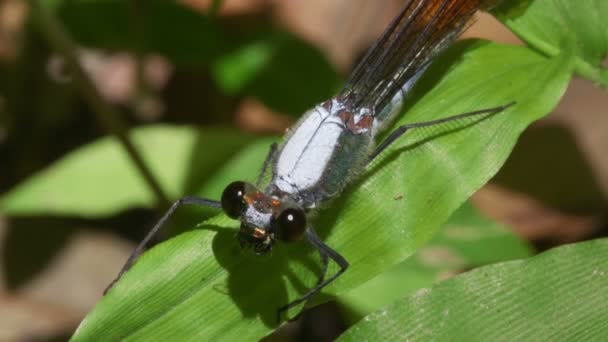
(422, 29)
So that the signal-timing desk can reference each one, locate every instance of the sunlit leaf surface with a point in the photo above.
(466, 240)
(99, 179)
(577, 28)
(558, 295)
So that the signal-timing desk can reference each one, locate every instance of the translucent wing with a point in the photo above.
(416, 35)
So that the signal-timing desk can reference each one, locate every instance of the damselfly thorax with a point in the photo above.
(328, 147)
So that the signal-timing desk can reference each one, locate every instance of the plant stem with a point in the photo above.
(108, 117)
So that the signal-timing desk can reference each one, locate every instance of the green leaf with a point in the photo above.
(245, 165)
(99, 179)
(186, 36)
(262, 69)
(166, 27)
(202, 286)
(235, 70)
(558, 295)
(479, 240)
(555, 27)
(296, 63)
(467, 240)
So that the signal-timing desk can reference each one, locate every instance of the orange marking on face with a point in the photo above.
(259, 233)
(275, 202)
(253, 197)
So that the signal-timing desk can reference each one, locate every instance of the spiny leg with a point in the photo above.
(402, 129)
(324, 265)
(188, 200)
(323, 273)
(269, 158)
(323, 249)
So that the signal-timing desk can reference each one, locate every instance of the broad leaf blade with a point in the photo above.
(201, 286)
(99, 179)
(559, 295)
(578, 28)
(166, 27)
(263, 68)
(467, 240)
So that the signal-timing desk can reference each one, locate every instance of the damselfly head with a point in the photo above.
(263, 218)
(255, 210)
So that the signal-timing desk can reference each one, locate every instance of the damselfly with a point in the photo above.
(333, 141)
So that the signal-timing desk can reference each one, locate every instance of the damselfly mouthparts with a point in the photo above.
(333, 142)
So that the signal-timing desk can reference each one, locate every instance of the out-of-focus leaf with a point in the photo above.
(235, 70)
(99, 179)
(201, 286)
(264, 68)
(31, 123)
(166, 27)
(467, 240)
(29, 246)
(559, 295)
(578, 28)
(479, 240)
(296, 76)
(245, 165)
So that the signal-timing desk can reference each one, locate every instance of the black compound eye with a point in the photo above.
(233, 202)
(290, 224)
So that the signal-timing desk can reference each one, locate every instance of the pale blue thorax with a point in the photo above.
(322, 152)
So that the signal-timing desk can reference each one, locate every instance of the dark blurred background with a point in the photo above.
(551, 191)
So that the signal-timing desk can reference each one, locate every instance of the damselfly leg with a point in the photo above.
(402, 129)
(188, 200)
(324, 265)
(326, 254)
